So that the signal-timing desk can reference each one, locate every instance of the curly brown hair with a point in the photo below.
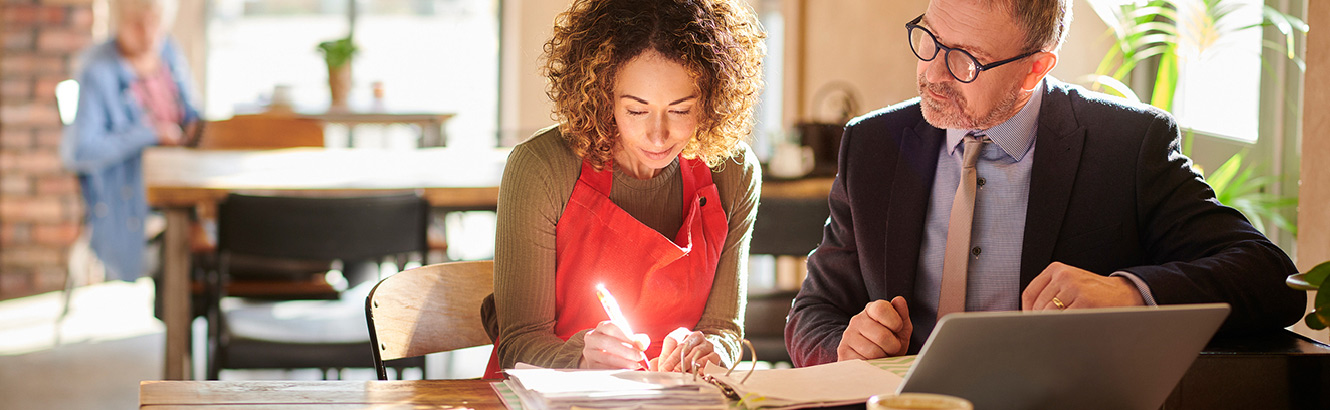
(719, 42)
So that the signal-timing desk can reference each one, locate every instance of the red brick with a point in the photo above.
(15, 89)
(68, 2)
(29, 114)
(58, 185)
(37, 162)
(62, 40)
(15, 185)
(43, 89)
(15, 283)
(32, 209)
(25, 64)
(80, 18)
(16, 139)
(15, 15)
(62, 234)
(48, 137)
(31, 256)
(11, 234)
(18, 39)
(51, 278)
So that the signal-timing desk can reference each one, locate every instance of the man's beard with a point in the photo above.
(951, 114)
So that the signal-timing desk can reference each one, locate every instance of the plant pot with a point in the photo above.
(339, 84)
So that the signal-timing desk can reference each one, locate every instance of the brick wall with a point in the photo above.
(40, 207)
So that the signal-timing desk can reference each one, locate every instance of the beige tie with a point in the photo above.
(957, 257)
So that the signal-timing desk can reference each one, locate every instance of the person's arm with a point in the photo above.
(184, 82)
(529, 208)
(90, 144)
(722, 321)
(1218, 256)
(833, 292)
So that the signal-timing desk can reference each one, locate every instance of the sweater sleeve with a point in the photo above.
(739, 181)
(530, 204)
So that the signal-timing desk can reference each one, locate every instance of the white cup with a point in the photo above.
(917, 401)
(790, 161)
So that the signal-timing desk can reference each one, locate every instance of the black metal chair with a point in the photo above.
(784, 227)
(323, 334)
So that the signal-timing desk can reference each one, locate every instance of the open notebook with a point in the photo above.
(539, 388)
(831, 384)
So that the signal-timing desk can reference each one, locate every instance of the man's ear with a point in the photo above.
(1043, 63)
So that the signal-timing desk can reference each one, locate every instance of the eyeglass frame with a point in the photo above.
(979, 67)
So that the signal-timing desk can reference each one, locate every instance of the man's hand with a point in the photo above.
(1078, 288)
(881, 330)
(607, 347)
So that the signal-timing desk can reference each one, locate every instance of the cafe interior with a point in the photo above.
(309, 105)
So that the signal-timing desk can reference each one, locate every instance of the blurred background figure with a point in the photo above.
(135, 92)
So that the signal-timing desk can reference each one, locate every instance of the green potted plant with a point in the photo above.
(1313, 279)
(338, 53)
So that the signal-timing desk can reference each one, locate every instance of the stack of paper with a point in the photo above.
(557, 389)
(832, 384)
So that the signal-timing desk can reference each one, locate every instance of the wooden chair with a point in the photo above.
(262, 131)
(430, 309)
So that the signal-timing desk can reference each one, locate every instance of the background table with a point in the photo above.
(180, 179)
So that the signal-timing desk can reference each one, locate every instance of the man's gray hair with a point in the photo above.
(1045, 22)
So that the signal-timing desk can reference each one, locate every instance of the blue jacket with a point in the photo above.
(104, 146)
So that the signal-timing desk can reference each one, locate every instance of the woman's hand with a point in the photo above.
(606, 347)
(685, 351)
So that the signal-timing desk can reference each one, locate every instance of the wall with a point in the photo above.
(523, 106)
(1313, 216)
(40, 208)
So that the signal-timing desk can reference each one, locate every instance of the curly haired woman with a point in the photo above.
(645, 186)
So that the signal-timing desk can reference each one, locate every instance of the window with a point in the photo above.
(1219, 71)
(429, 55)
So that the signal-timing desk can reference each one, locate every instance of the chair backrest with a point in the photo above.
(429, 309)
(262, 131)
(322, 228)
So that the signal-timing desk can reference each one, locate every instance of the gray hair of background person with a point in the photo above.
(166, 9)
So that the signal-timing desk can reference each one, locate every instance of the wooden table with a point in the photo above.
(179, 179)
(337, 395)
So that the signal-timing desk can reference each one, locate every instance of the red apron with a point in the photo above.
(660, 284)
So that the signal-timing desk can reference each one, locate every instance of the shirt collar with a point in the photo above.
(1014, 136)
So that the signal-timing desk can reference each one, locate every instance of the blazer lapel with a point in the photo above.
(911, 186)
(1058, 143)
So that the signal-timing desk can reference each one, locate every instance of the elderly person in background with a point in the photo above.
(134, 93)
(644, 186)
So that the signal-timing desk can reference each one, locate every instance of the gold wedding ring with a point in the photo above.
(1058, 302)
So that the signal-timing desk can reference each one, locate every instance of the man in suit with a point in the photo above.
(1078, 200)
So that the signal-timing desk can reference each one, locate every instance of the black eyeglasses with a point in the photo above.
(960, 63)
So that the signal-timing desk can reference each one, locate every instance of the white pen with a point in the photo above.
(611, 306)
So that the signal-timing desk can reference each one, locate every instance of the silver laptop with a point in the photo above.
(1121, 358)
